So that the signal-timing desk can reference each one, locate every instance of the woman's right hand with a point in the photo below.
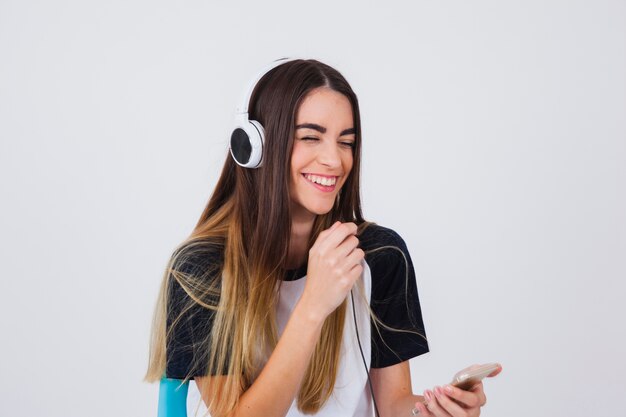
(335, 264)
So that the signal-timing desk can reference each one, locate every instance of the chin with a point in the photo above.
(324, 211)
(319, 210)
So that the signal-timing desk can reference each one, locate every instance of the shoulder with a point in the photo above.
(192, 296)
(195, 268)
(388, 258)
(377, 237)
(197, 257)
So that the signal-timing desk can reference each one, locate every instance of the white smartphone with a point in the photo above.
(469, 377)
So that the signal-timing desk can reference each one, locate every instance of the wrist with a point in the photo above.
(307, 313)
(404, 405)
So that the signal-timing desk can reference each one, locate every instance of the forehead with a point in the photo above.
(326, 107)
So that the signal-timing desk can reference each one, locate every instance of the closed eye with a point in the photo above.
(344, 143)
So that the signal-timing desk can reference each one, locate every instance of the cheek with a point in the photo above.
(297, 159)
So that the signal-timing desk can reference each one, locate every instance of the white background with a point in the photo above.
(494, 143)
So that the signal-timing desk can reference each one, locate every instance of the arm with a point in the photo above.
(392, 389)
(334, 267)
(277, 385)
(395, 302)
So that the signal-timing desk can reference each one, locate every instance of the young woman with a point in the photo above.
(283, 298)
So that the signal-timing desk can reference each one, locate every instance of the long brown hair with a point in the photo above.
(248, 218)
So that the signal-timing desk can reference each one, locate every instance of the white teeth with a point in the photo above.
(326, 181)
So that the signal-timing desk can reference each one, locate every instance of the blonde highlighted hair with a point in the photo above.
(248, 219)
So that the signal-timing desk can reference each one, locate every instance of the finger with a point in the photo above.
(355, 273)
(433, 405)
(422, 411)
(337, 236)
(451, 406)
(343, 230)
(324, 233)
(353, 258)
(480, 392)
(347, 247)
(468, 399)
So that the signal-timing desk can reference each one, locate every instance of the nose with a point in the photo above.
(328, 154)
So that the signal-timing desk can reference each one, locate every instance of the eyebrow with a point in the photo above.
(322, 129)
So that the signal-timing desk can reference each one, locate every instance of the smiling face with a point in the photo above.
(322, 154)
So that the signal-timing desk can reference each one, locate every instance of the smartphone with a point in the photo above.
(469, 377)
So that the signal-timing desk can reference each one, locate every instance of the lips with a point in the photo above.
(325, 183)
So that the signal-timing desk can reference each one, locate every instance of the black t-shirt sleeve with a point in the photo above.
(394, 299)
(189, 324)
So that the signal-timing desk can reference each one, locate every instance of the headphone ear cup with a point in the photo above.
(246, 144)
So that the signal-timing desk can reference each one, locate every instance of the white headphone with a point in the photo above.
(248, 136)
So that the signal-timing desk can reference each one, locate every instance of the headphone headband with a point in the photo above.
(242, 108)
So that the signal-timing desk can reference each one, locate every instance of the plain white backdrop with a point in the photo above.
(494, 143)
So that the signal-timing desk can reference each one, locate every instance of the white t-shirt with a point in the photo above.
(386, 285)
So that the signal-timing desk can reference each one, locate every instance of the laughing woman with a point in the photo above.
(284, 301)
